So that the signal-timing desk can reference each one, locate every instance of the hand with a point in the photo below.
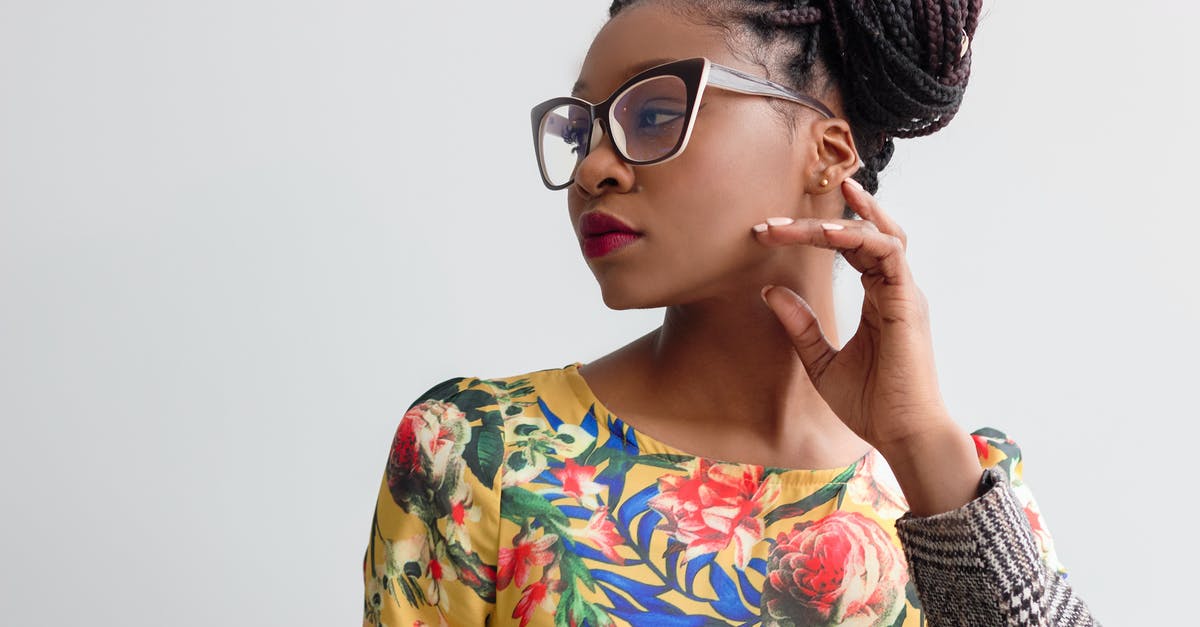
(882, 383)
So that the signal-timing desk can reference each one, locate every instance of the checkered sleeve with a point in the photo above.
(980, 565)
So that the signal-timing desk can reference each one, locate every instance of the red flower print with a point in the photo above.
(981, 447)
(426, 463)
(714, 505)
(1042, 535)
(514, 563)
(843, 569)
(602, 533)
(1035, 520)
(532, 596)
(577, 482)
(406, 455)
(462, 512)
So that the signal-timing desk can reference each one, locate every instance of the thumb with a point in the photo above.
(802, 327)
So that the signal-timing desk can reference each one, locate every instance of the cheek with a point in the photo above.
(708, 227)
(737, 176)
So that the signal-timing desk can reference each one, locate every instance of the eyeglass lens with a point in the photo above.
(647, 122)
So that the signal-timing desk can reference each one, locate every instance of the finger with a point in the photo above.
(868, 208)
(865, 247)
(785, 231)
(872, 253)
(802, 327)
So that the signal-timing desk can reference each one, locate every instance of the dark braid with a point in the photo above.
(898, 64)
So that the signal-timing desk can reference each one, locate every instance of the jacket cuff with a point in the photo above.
(974, 557)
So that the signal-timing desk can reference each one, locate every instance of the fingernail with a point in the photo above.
(779, 221)
(829, 226)
(760, 228)
(764, 291)
(855, 184)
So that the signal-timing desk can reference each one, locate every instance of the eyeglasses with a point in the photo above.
(648, 119)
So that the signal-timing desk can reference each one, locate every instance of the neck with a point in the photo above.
(727, 364)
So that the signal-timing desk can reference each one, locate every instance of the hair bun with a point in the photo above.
(905, 65)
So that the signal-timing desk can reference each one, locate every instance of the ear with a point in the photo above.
(836, 156)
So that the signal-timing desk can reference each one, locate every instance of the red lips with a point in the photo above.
(604, 234)
(596, 223)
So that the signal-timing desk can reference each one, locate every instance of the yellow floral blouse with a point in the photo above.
(524, 501)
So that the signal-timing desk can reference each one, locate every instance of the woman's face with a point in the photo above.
(696, 211)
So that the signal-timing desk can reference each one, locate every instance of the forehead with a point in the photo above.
(642, 36)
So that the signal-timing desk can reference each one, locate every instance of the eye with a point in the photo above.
(652, 117)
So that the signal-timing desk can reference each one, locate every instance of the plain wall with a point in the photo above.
(238, 238)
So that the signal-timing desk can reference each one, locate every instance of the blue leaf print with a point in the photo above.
(663, 613)
(693, 570)
(753, 596)
(554, 420)
(589, 422)
(636, 504)
(729, 602)
(575, 511)
(624, 437)
(583, 550)
(638, 590)
(646, 527)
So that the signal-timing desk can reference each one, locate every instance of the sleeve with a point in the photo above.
(990, 562)
(431, 557)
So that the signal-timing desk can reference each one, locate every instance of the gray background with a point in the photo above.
(238, 238)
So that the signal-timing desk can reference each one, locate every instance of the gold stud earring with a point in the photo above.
(824, 182)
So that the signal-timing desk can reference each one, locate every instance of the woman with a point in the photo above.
(731, 466)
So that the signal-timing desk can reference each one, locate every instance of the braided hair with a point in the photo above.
(901, 66)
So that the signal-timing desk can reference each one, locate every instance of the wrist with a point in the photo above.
(937, 433)
(938, 470)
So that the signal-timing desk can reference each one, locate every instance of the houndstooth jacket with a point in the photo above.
(979, 565)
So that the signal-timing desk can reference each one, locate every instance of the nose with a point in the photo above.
(602, 169)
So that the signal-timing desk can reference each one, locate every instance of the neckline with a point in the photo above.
(650, 444)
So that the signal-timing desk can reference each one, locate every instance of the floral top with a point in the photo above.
(523, 500)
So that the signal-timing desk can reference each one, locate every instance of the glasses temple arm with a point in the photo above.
(734, 80)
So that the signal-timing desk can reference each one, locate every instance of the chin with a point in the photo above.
(623, 302)
(622, 299)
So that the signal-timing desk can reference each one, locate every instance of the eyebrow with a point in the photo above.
(629, 71)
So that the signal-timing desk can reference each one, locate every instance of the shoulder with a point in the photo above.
(440, 436)
(440, 421)
(455, 427)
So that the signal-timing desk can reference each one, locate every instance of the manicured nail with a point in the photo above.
(764, 291)
(829, 226)
(779, 221)
(855, 184)
(760, 228)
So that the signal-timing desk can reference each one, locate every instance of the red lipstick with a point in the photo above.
(604, 234)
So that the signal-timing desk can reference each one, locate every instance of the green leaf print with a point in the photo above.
(508, 394)
(821, 496)
(664, 460)
(573, 609)
(485, 451)
(474, 403)
(519, 505)
(472, 571)
(910, 593)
